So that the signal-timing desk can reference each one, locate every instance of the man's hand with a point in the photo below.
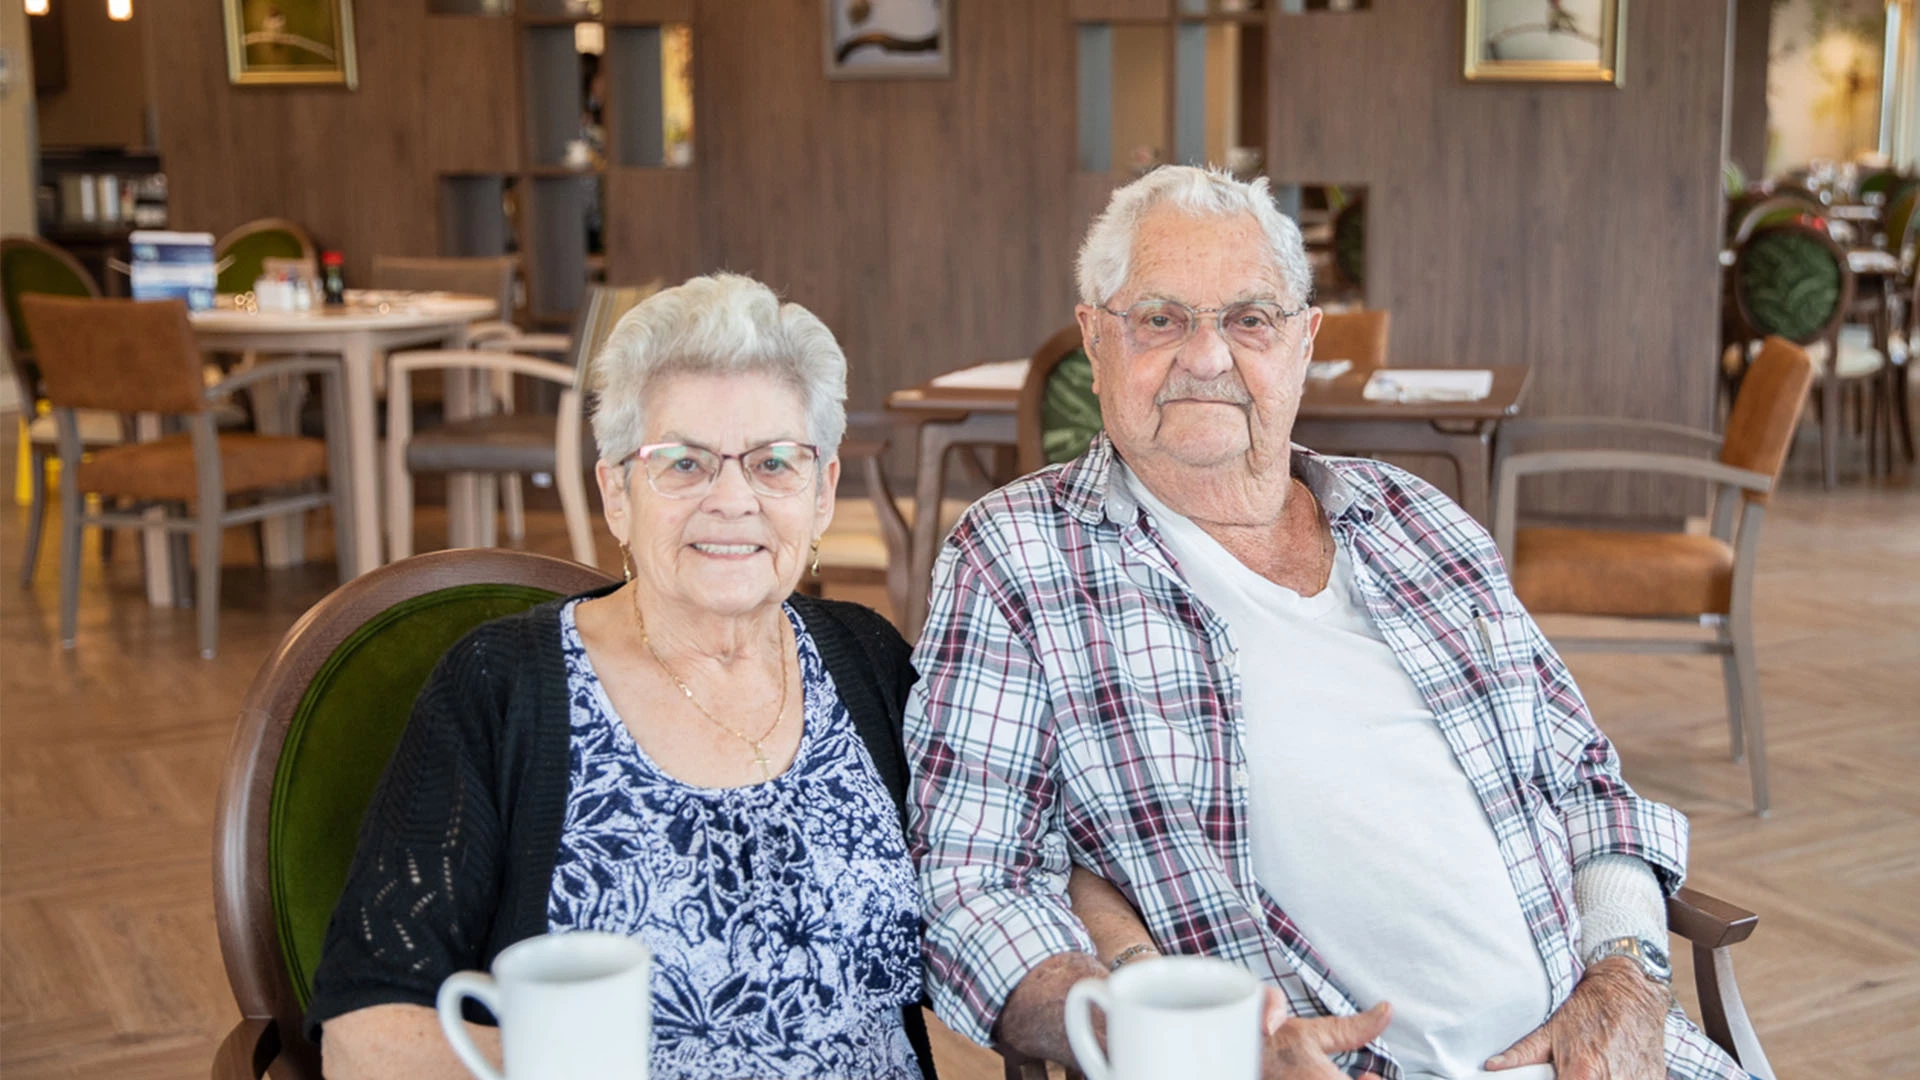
(1613, 1027)
(1303, 1048)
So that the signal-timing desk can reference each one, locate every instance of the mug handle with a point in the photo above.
(458, 987)
(1081, 999)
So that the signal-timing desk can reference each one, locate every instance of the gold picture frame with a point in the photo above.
(1546, 41)
(291, 43)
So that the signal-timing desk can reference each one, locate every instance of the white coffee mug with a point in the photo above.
(1175, 1016)
(568, 1006)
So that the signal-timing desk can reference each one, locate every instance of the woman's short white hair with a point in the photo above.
(1107, 253)
(720, 324)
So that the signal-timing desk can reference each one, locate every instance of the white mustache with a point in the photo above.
(1225, 388)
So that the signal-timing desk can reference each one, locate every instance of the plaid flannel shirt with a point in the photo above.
(1078, 704)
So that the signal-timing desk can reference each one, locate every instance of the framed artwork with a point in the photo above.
(290, 43)
(1547, 40)
(888, 39)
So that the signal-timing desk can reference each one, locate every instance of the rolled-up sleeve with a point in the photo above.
(983, 805)
(1603, 816)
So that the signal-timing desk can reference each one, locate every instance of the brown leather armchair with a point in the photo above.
(1666, 576)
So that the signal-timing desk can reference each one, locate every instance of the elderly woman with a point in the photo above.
(699, 758)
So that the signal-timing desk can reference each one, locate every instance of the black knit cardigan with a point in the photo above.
(455, 858)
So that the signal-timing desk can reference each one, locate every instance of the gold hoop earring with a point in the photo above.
(816, 558)
(626, 562)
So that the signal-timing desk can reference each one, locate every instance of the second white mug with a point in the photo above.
(568, 1005)
(1172, 1017)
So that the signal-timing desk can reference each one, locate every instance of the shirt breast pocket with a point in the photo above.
(1504, 645)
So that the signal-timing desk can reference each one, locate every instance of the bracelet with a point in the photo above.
(1132, 953)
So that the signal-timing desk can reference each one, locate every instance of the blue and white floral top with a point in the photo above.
(782, 916)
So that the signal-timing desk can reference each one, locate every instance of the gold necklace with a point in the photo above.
(759, 751)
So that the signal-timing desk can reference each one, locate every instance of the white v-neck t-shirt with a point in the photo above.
(1363, 826)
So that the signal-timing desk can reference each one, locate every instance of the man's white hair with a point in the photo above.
(1107, 253)
(720, 324)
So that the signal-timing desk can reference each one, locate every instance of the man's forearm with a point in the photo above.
(1034, 1019)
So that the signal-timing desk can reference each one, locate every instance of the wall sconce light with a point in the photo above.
(36, 7)
(119, 10)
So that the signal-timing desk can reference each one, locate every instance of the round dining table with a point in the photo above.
(361, 333)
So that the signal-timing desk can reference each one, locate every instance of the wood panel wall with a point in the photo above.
(1572, 227)
(359, 169)
(927, 221)
(1747, 86)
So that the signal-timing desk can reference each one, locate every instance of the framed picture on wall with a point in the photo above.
(1546, 40)
(291, 43)
(888, 39)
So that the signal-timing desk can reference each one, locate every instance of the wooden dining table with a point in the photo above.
(1335, 417)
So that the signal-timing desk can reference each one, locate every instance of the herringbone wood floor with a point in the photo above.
(110, 756)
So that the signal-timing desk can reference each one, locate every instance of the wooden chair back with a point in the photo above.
(491, 276)
(1775, 210)
(606, 305)
(1030, 416)
(1760, 427)
(251, 245)
(122, 356)
(1359, 336)
(371, 642)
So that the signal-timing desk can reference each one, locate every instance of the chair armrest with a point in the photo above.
(541, 344)
(404, 364)
(247, 1050)
(1530, 427)
(491, 330)
(271, 369)
(1558, 461)
(1507, 474)
(1708, 921)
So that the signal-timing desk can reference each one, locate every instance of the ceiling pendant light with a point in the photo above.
(36, 7)
(119, 10)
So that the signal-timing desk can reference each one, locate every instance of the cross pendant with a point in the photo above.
(760, 759)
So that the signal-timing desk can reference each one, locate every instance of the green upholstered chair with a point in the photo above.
(31, 265)
(315, 732)
(1900, 218)
(245, 251)
(1058, 413)
(1350, 242)
(1793, 281)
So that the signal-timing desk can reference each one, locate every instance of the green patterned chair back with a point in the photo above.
(1880, 183)
(1070, 413)
(1792, 280)
(1350, 241)
(251, 245)
(1900, 217)
(29, 265)
(317, 727)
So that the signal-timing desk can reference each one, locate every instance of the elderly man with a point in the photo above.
(1287, 704)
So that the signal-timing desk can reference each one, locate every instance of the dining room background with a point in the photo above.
(932, 222)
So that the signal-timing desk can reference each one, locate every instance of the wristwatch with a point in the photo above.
(1651, 958)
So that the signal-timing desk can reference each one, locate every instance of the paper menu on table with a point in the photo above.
(1415, 385)
(997, 375)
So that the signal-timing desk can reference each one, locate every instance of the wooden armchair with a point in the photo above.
(1712, 926)
(315, 732)
(127, 357)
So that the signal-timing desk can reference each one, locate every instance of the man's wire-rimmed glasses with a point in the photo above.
(1158, 323)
